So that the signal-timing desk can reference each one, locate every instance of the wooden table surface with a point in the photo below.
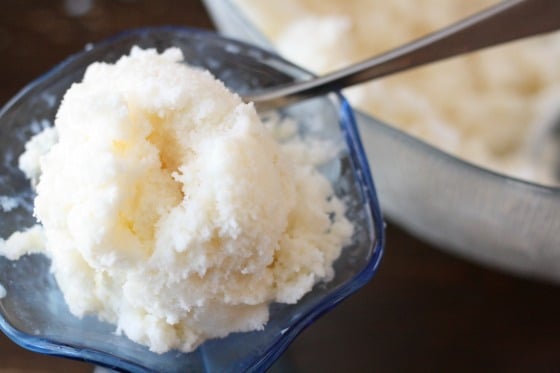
(424, 311)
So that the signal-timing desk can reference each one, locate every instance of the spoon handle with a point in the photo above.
(506, 21)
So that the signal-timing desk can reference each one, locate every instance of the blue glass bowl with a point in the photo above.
(33, 313)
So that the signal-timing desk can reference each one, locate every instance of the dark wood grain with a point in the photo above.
(424, 311)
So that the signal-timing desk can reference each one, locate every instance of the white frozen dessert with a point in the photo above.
(487, 107)
(35, 148)
(168, 209)
(8, 203)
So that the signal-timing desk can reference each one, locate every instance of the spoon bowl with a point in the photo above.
(33, 313)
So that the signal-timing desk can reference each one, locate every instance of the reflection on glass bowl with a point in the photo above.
(33, 312)
(468, 210)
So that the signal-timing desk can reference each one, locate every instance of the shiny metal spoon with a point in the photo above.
(509, 20)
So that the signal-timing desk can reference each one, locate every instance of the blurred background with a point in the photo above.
(424, 310)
